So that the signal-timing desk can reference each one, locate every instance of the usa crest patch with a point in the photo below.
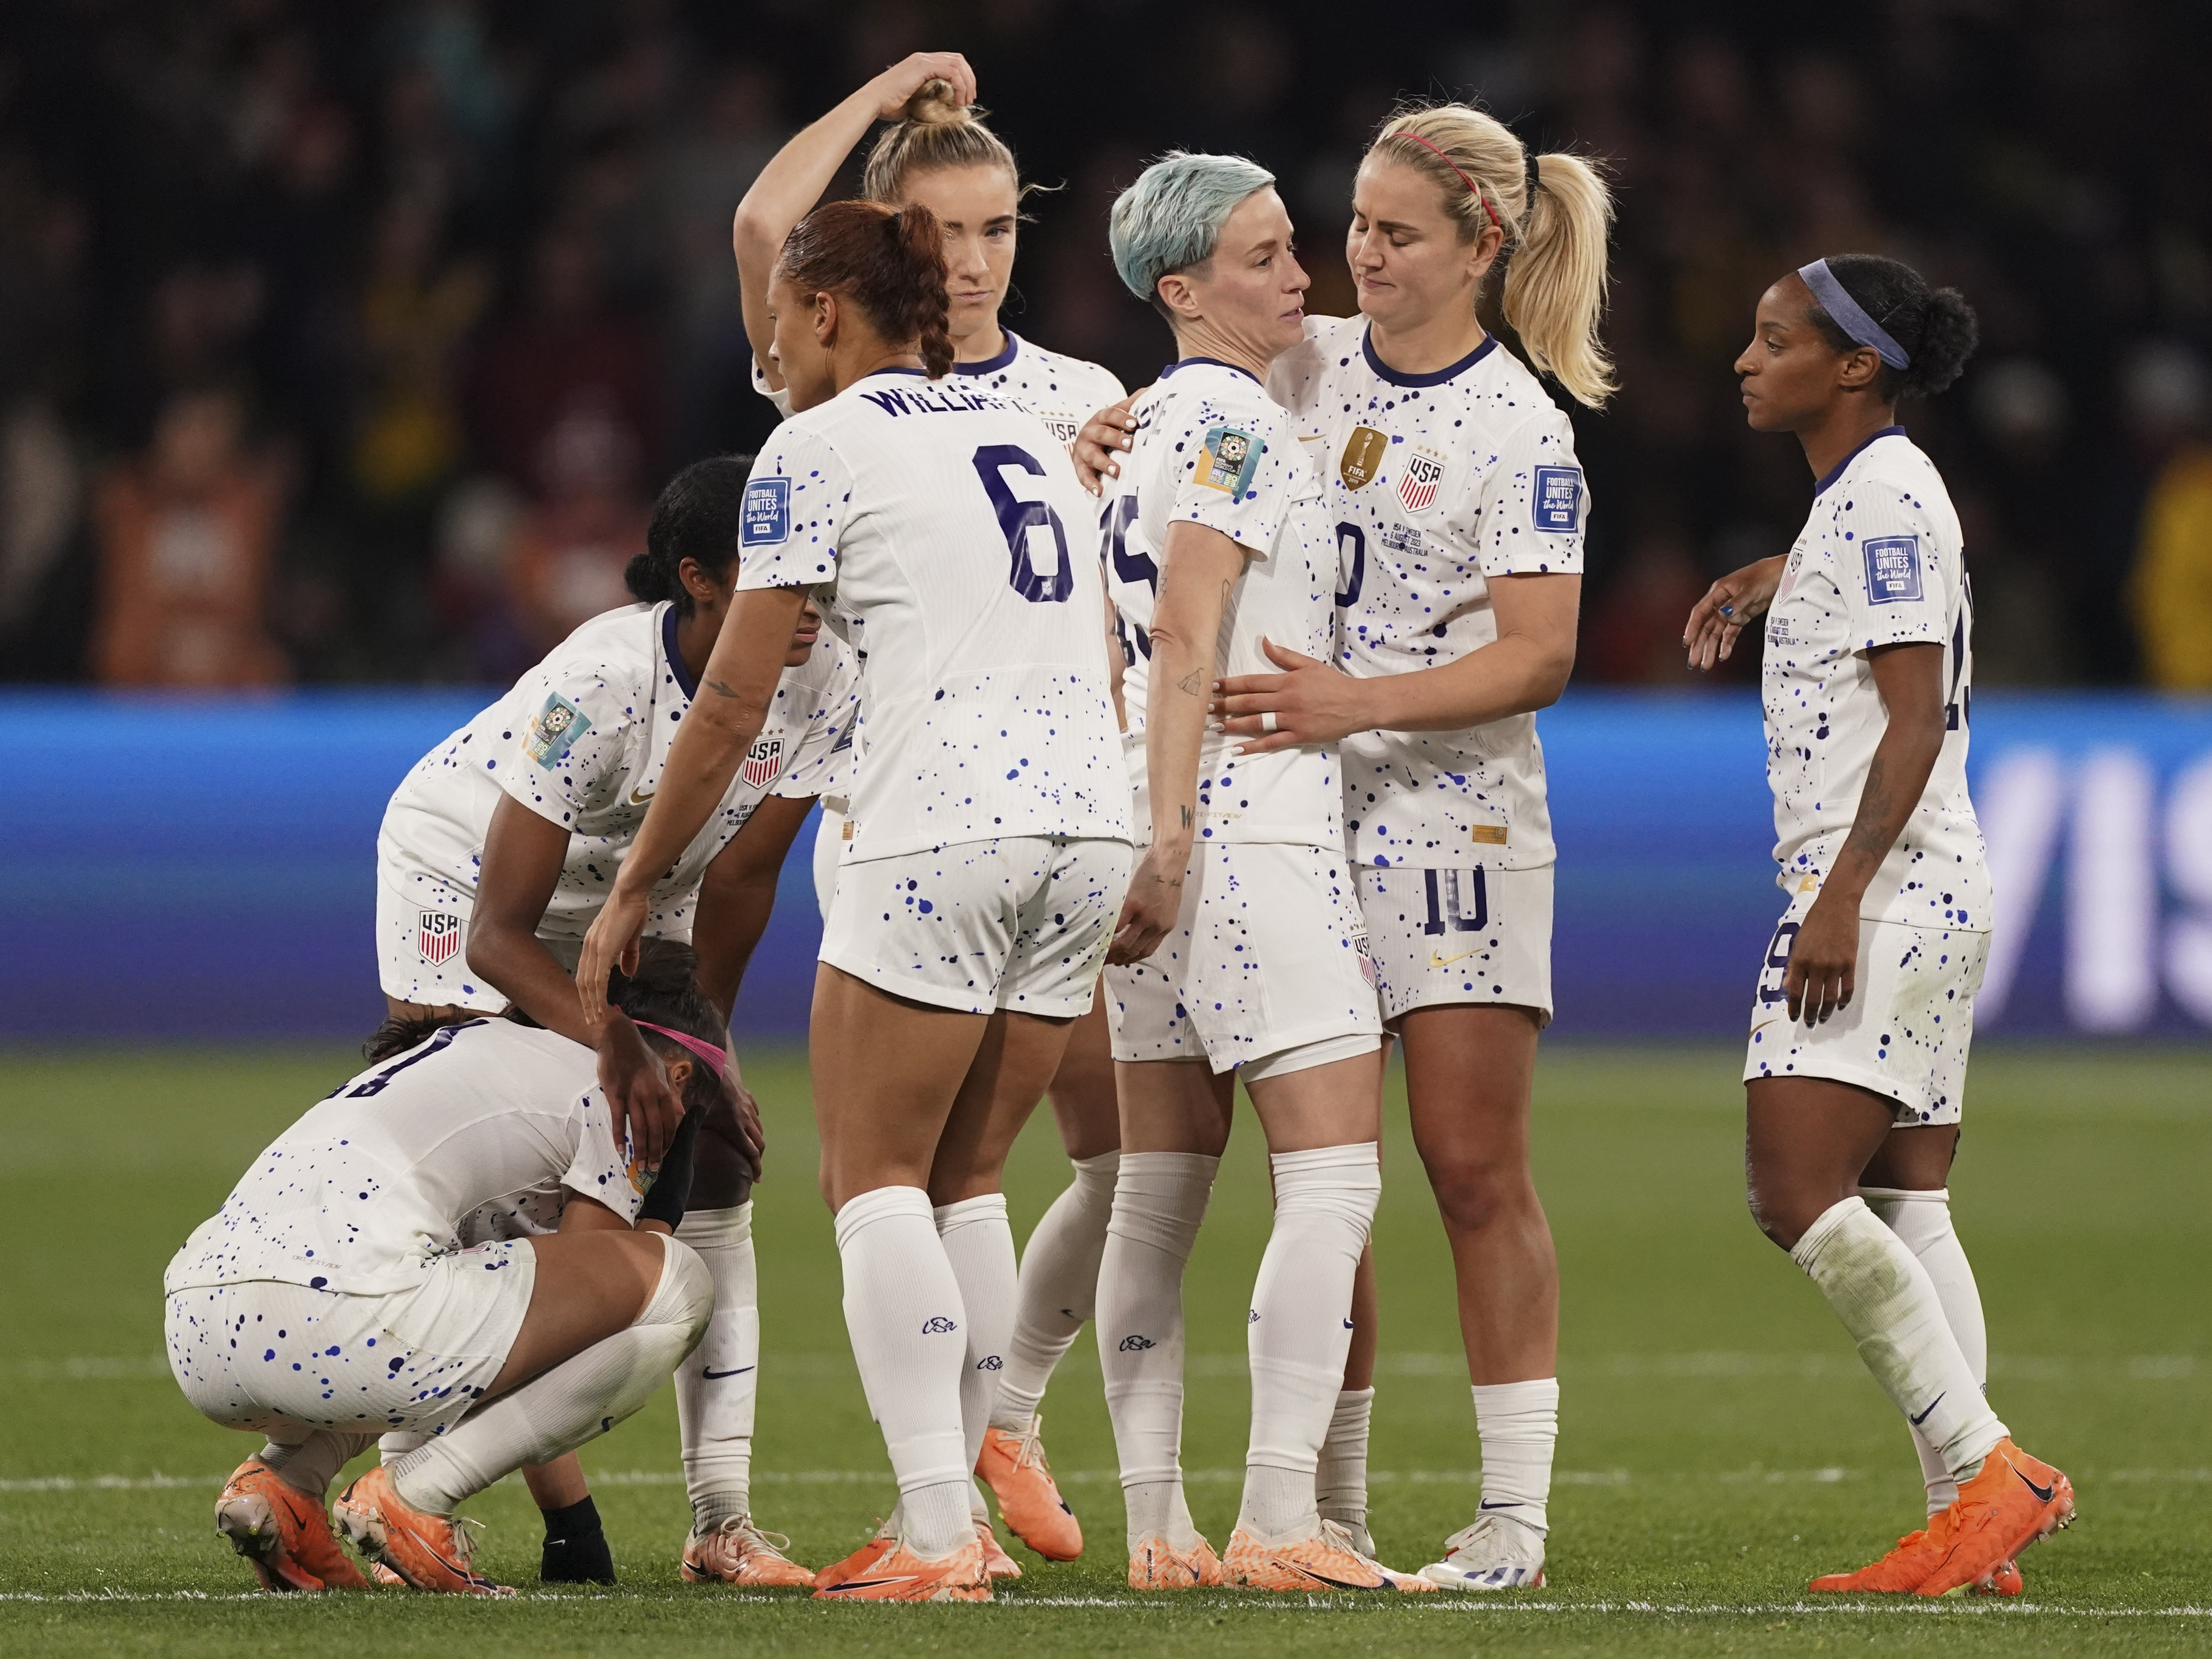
(437, 936)
(762, 762)
(1418, 482)
(1228, 459)
(765, 519)
(553, 730)
(1893, 568)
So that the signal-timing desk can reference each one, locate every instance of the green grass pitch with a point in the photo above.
(1719, 1441)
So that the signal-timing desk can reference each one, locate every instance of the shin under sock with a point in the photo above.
(1922, 1220)
(1058, 1289)
(716, 1387)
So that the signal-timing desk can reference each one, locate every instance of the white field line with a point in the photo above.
(1750, 1477)
(1449, 1604)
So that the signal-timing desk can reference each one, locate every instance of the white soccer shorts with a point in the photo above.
(1460, 936)
(1908, 1028)
(261, 1355)
(1267, 954)
(1021, 922)
(422, 946)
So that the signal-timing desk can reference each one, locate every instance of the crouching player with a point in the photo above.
(332, 1298)
(498, 850)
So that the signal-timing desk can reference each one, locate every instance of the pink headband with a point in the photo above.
(1454, 166)
(706, 1051)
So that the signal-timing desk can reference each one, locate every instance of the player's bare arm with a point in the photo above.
(1716, 620)
(1824, 961)
(1525, 668)
(736, 693)
(1198, 569)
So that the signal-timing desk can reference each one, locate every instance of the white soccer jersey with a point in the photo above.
(580, 741)
(1212, 447)
(1061, 392)
(954, 546)
(1879, 562)
(1436, 484)
(390, 1168)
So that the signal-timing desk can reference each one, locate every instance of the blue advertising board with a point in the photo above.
(204, 868)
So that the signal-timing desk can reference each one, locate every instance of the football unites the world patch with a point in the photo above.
(1227, 460)
(762, 762)
(553, 730)
(437, 936)
(1556, 502)
(1893, 568)
(1363, 456)
(765, 519)
(1418, 481)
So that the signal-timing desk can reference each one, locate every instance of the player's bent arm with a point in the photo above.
(739, 893)
(787, 188)
(1716, 619)
(1525, 669)
(580, 1214)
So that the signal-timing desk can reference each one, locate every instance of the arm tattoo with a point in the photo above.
(1866, 839)
(1189, 817)
(720, 689)
(1192, 684)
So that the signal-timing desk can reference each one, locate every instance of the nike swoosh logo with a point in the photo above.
(636, 799)
(1435, 961)
(715, 1375)
(1932, 1405)
(869, 1584)
(1340, 1583)
(1487, 1504)
(2042, 1493)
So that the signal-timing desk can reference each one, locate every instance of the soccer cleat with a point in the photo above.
(1493, 1555)
(1157, 1564)
(739, 1553)
(899, 1575)
(996, 1562)
(2005, 1581)
(2015, 1500)
(385, 1578)
(283, 1533)
(1900, 1571)
(885, 1541)
(1322, 1561)
(430, 1551)
(1014, 1466)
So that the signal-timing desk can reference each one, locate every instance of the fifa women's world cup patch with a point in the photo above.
(1228, 459)
(553, 730)
(1363, 456)
(1418, 479)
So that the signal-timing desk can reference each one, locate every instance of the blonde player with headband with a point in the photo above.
(1459, 512)
(937, 151)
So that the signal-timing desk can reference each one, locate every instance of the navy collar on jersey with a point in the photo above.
(917, 374)
(1837, 471)
(993, 365)
(1398, 377)
(1192, 362)
(668, 622)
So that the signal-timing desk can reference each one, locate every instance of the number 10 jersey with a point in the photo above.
(944, 526)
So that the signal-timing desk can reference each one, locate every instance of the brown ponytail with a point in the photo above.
(892, 265)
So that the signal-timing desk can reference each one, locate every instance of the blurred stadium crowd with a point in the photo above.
(348, 340)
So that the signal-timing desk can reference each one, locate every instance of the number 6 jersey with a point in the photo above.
(944, 526)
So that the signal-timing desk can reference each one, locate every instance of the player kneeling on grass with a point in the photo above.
(1865, 1007)
(332, 1298)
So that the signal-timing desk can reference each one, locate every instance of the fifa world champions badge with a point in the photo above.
(1363, 456)
(1228, 459)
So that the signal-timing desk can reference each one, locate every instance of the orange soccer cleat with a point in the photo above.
(996, 1562)
(1322, 1562)
(1157, 1564)
(739, 1553)
(1014, 1466)
(2005, 1581)
(1905, 1568)
(897, 1574)
(430, 1551)
(283, 1533)
(2015, 1500)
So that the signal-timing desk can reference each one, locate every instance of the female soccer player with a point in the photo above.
(497, 852)
(1856, 1066)
(990, 827)
(1239, 948)
(938, 152)
(333, 1297)
(1459, 512)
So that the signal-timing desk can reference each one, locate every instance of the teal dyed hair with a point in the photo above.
(1170, 219)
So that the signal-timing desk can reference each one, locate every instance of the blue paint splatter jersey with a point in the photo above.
(1438, 484)
(1880, 561)
(942, 527)
(1212, 449)
(407, 1159)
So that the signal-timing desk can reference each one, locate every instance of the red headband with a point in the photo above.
(1477, 193)
(706, 1051)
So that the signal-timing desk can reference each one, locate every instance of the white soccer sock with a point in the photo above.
(903, 1310)
(1059, 1287)
(979, 1243)
(391, 1448)
(310, 1465)
(1159, 1199)
(1518, 1424)
(1922, 1220)
(579, 1399)
(716, 1388)
(1300, 1330)
(1341, 1477)
(1888, 1304)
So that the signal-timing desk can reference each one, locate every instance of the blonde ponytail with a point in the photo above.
(1555, 280)
(931, 131)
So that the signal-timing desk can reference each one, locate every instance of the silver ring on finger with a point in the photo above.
(1268, 721)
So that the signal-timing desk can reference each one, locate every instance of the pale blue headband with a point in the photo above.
(1850, 315)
